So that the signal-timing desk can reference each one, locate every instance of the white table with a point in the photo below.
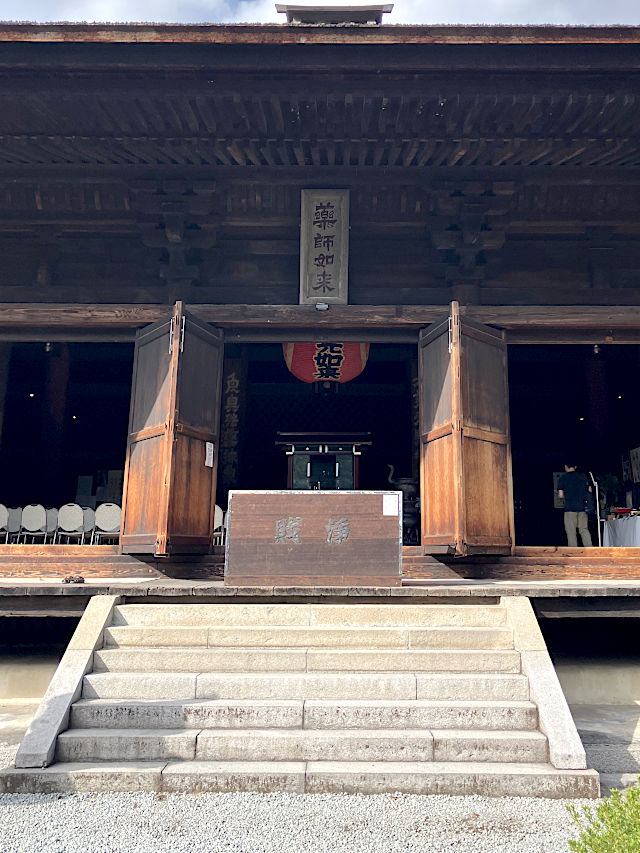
(622, 532)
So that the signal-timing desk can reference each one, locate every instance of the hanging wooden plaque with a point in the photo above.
(324, 247)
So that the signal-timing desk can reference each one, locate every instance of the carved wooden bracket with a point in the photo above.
(468, 222)
(180, 219)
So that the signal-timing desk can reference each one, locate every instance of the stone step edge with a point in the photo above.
(342, 650)
(436, 704)
(437, 733)
(360, 627)
(189, 684)
(487, 778)
(395, 637)
(330, 673)
(501, 712)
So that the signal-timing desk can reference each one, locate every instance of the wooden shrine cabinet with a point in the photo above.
(323, 460)
(465, 465)
(172, 454)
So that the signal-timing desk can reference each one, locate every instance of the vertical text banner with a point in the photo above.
(324, 247)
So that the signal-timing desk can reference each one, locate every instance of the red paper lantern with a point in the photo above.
(326, 362)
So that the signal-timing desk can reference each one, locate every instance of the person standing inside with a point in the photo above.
(574, 488)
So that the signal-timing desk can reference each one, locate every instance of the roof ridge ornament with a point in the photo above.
(366, 14)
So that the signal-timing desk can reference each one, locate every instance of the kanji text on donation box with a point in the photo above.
(314, 538)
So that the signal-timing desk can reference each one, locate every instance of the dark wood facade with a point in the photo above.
(495, 168)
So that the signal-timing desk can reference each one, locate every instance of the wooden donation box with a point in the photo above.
(314, 538)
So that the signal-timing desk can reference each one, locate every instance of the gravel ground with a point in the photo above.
(282, 823)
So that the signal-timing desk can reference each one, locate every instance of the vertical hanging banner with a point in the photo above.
(324, 247)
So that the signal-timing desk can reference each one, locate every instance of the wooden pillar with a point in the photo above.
(415, 416)
(597, 398)
(234, 398)
(5, 360)
(53, 417)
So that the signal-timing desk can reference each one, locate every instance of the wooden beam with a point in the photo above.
(310, 176)
(371, 335)
(572, 336)
(264, 34)
(79, 335)
(47, 317)
(570, 323)
(602, 317)
(309, 85)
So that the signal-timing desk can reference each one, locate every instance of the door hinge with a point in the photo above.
(453, 321)
(184, 321)
(171, 336)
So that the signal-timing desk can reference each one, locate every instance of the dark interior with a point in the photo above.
(65, 415)
(377, 401)
(568, 403)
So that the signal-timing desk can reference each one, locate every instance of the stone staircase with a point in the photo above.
(307, 697)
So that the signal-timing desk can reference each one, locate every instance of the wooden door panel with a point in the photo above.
(436, 398)
(190, 521)
(146, 443)
(150, 399)
(464, 424)
(438, 454)
(144, 492)
(197, 419)
(486, 499)
(482, 378)
(438, 496)
(200, 371)
(170, 475)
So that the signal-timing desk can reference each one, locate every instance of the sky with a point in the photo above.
(263, 11)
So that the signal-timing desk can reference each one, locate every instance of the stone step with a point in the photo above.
(197, 660)
(356, 615)
(311, 714)
(326, 685)
(126, 745)
(162, 714)
(471, 685)
(308, 637)
(300, 745)
(481, 778)
(423, 714)
(370, 745)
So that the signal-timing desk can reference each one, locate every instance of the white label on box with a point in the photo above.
(390, 505)
(208, 458)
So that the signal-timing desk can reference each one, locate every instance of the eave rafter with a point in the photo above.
(488, 129)
(38, 149)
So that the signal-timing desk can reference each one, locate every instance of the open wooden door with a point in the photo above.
(172, 454)
(465, 467)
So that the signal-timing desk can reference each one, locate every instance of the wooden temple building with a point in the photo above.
(310, 275)
(158, 189)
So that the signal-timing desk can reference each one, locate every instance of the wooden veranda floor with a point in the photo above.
(53, 562)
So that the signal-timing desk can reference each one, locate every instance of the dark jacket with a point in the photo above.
(575, 486)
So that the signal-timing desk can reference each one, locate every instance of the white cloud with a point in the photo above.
(515, 12)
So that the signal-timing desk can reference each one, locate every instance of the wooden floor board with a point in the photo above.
(530, 563)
